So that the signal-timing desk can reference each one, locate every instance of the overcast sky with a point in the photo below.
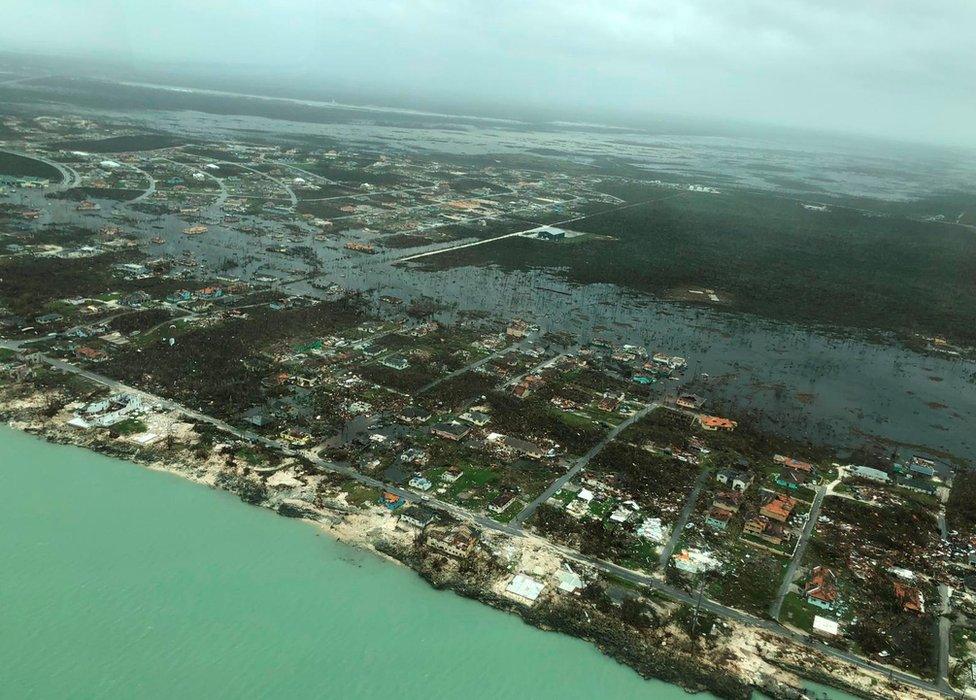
(898, 68)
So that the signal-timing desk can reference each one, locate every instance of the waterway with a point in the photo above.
(122, 582)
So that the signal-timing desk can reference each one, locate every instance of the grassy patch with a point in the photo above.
(358, 494)
(796, 611)
(129, 426)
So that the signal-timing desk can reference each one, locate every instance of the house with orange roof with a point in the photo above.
(779, 507)
(791, 463)
(716, 423)
(86, 353)
(821, 589)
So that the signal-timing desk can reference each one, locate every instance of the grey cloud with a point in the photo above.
(893, 68)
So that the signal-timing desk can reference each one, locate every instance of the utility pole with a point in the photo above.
(698, 602)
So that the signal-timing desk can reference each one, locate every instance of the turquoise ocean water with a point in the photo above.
(120, 582)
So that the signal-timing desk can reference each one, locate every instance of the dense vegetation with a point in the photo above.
(19, 166)
(638, 471)
(882, 627)
(28, 284)
(120, 144)
(767, 255)
(534, 418)
(961, 508)
(665, 427)
(139, 320)
(221, 367)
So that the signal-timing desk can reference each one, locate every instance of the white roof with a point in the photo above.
(79, 422)
(145, 438)
(695, 560)
(903, 573)
(652, 529)
(585, 494)
(525, 587)
(569, 581)
(826, 625)
(620, 515)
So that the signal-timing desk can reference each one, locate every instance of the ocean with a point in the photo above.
(117, 581)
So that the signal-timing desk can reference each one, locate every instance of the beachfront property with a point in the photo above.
(525, 587)
(455, 542)
(417, 516)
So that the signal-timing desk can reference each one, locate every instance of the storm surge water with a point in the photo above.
(121, 582)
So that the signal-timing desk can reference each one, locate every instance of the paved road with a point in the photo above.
(150, 189)
(941, 521)
(686, 511)
(533, 370)
(944, 627)
(222, 197)
(555, 486)
(471, 244)
(510, 529)
(474, 365)
(306, 173)
(801, 547)
(459, 246)
(285, 186)
(747, 619)
(69, 176)
(370, 193)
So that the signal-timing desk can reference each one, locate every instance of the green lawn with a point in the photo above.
(644, 556)
(129, 426)
(565, 497)
(601, 509)
(473, 478)
(357, 494)
(506, 516)
(250, 456)
(796, 611)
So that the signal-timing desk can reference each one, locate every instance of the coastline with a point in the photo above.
(764, 662)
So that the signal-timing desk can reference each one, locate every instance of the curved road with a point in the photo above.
(150, 189)
(288, 190)
(70, 176)
(222, 197)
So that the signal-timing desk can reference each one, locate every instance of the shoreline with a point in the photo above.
(731, 665)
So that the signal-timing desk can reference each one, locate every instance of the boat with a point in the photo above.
(157, 240)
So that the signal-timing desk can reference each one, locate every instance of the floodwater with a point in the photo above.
(806, 383)
(802, 382)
